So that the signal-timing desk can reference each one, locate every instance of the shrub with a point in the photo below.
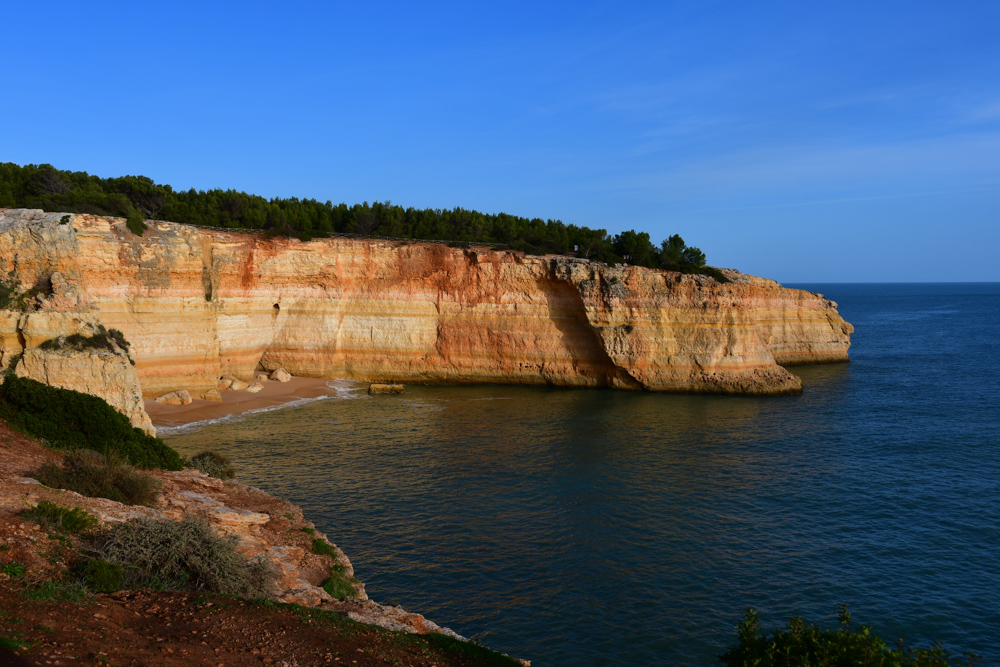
(13, 570)
(322, 548)
(100, 476)
(102, 340)
(339, 585)
(71, 420)
(136, 223)
(56, 591)
(176, 555)
(71, 520)
(101, 576)
(213, 465)
(803, 643)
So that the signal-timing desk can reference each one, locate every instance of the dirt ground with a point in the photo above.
(174, 629)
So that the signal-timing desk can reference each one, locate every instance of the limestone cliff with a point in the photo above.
(198, 304)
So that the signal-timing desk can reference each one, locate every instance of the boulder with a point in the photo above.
(281, 375)
(254, 388)
(212, 395)
(261, 377)
(225, 383)
(239, 385)
(385, 389)
(180, 397)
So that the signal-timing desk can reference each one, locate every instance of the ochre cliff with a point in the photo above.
(198, 304)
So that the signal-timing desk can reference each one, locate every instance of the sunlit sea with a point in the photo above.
(594, 527)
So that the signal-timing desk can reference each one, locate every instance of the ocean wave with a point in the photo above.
(344, 390)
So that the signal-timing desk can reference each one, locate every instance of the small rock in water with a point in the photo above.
(385, 389)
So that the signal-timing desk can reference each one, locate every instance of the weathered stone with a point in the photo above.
(212, 395)
(385, 389)
(380, 311)
(254, 388)
(281, 375)
(180, 397)
(239, 385)
(224, 384)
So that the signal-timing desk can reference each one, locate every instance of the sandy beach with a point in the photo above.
(237, 402)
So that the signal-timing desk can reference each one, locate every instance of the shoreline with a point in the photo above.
(274, 395)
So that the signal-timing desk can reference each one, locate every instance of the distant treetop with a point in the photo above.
(137, 198)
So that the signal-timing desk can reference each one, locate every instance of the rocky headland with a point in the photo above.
(196, 305)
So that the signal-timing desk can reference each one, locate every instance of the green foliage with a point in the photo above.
(339, 585)
(71, 420)
(104, 339)
(180, 555)
(137, 198)
(10, 644)
(14, 570)
(56, 591)
(101, 576)
(213, 465)
(323, 548)
(802, 644)
(97, 475)
(136, 223)
(71, 520)
(9, 288)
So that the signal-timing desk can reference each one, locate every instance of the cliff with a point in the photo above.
(198, 304)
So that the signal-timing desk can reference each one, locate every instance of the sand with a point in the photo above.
(237, 402)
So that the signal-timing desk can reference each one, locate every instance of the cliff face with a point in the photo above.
(198, 304)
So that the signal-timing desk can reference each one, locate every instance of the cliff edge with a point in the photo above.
(197, 304)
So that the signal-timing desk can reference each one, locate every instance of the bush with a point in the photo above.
(102, 340)
(71, 520)
(71, 420)
(178, 555)
(101, 576)
(213, 465)
(136, 223)
(339, 585)
(803, 643)
(322, 548)
(100, 476)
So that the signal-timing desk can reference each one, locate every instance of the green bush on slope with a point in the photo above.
(179, 555)
(97, 475)
(802, 644)
(68, 419)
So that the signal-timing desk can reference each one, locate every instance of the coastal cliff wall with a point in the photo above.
(197, 304)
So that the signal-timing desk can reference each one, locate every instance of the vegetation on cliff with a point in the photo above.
(803, 643)
(68, 419)
(138, 197)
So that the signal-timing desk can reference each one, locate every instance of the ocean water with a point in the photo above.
(592, 527)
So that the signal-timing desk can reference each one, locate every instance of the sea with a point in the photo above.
(599, 527)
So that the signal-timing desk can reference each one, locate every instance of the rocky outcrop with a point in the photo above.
(199, 305)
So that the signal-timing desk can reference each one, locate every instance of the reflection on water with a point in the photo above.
(600, 527)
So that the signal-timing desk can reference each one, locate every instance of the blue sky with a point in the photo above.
(806, 142)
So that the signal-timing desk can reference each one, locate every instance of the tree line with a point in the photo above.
(138, 198)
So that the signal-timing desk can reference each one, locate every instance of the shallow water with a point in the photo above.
(593, 527)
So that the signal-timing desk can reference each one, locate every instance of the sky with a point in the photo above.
(805, 142)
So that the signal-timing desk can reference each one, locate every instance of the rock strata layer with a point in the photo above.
(199, 305)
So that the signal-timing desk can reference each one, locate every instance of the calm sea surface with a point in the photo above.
(592, 527)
